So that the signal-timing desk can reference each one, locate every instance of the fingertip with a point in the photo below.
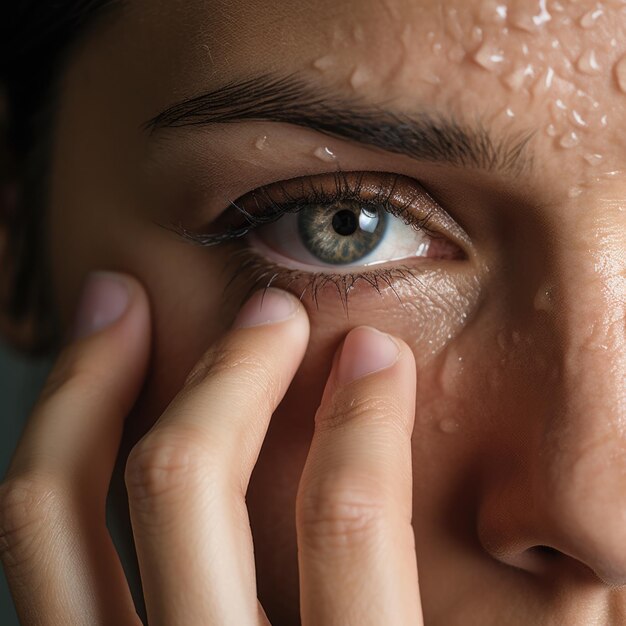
(268, 306)
(105, 299)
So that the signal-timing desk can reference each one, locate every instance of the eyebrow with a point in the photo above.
(425, 135)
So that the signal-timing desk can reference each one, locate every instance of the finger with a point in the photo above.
(59, 559)
(353, 509)
(187, 478)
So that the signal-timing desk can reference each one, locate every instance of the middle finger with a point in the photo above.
(356, 550)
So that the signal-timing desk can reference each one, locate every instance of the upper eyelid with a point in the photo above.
(380, 187)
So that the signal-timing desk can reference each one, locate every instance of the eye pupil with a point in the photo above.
(345, 223)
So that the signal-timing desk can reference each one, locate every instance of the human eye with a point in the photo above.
(341, 227)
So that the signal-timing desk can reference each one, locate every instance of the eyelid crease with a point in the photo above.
(399, 195)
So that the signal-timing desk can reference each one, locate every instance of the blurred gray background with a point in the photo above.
(20, 381)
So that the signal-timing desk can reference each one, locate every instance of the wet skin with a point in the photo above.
(519, 441)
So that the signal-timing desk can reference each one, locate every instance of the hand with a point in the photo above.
(188, 476)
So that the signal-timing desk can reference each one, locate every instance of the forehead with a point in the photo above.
(556, 67)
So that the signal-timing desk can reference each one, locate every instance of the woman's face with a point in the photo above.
(512, 115)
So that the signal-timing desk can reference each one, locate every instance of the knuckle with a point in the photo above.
(164, 465)
(336, 513)
(231, 365)
(29, 507)
(345, 410)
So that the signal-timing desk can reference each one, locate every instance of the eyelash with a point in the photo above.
(343, 191)
(263, 273)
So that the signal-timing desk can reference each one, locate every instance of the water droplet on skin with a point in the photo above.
(544, 83)
(489, 56)
(476, 35)
(360, 76)
(543, 299)
(589, 19)
(502, 340)
(449, 426)
(517, 79)
(452, 24)
(325, 154)
(324, 63)
(574, 192)
(437, 47)
(588, 63)
(620, 73)
(532, 20)
(358, 34)
(261, 143)
(492, 12)
(451, 370)
(578, 119)
(429, 77)
(551, 130)
(456, 53)
(569, 140)
(593, 159)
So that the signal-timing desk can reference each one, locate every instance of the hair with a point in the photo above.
(39, 38)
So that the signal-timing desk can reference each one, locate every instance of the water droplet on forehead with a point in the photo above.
(325, 154)
(476, 35)
(519, 77)
(589, 19)
(261, 143)
(359, 77)
(551, 130)
(428, 76)
(530, 16)
(489, 56)
(543, 85)
(324, 63)
(588, 63)
(620, 73)
(453, 25)
(569, 140)
(578, 119)
(492, 12)
(574, 192)
(457, 53)
(593, 159)
(437, 47)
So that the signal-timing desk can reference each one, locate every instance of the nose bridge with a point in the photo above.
(581, 482)
(590, 321)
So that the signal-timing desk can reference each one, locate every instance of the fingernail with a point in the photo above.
(267, 306)
(104, 299)
(365, 351)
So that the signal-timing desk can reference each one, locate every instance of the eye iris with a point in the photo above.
(341, 234)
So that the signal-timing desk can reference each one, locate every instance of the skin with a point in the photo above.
(518, 442)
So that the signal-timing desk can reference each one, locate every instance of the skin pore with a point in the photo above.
(518, 446)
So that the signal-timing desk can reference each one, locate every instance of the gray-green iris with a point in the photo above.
(342, 233)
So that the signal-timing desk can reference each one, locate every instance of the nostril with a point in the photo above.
(546, 552)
